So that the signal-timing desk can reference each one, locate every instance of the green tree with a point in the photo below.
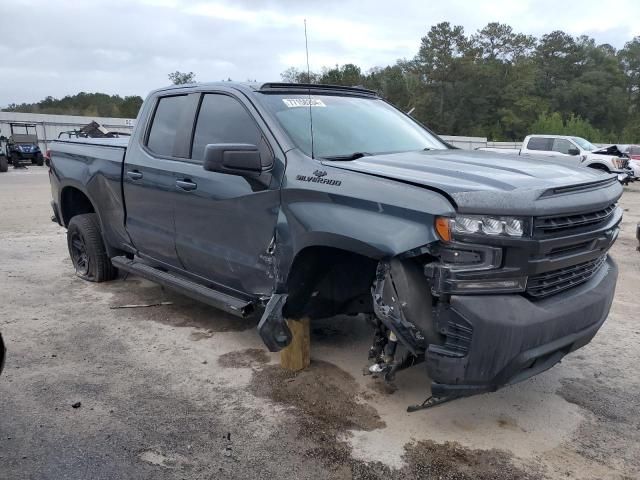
(629, 58)
(180, 78)
(87, 104)
(438, 63)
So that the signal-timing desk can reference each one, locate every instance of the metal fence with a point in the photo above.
(48, 127)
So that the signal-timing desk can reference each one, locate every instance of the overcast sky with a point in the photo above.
(61, 47)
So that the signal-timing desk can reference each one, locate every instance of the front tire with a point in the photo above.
(87, 249)
(4, 164)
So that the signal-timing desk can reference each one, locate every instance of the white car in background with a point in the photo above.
(566, 149)
(633, 152)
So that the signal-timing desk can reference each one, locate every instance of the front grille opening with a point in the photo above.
(550, 283)
(545, 226)
(567, 249)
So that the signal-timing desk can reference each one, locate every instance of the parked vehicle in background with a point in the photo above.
(22, 145)
(633, 152)
(4, 161)
(575, 151)
(489, 272)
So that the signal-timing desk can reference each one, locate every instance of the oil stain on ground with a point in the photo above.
(247, 358)
(326, 409)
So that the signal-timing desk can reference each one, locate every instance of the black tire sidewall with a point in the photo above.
(87, 226)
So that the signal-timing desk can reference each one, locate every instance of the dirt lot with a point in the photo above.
(184, 391)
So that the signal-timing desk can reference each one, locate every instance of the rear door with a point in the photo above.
(149, 178)
(539, 146)
(225, 224)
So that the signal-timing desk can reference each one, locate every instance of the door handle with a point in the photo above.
(186, 185)
(134, 174)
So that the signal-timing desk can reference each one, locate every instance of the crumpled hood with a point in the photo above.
(481, 181)
(611, 150)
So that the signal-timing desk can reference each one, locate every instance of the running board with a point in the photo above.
(233, 305)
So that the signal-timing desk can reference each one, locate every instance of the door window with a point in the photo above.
(222, 119)
(166, 122)
(562, 146)
(540, 143)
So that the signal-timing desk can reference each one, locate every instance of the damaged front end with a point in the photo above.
(487, 311)
(493, 302)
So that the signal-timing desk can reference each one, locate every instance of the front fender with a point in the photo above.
(381, 219)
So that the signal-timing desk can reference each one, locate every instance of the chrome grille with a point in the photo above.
(555, 281)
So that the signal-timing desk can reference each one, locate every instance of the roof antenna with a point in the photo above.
(306, 46)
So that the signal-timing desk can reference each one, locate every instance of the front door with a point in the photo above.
(225, 224)
(562, 147)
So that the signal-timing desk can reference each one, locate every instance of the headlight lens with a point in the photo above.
(488, 225)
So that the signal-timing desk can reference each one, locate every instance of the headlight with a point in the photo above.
(480, 225)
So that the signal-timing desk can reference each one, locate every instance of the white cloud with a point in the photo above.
(129, 46)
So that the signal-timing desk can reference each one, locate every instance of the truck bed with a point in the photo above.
(95, 164)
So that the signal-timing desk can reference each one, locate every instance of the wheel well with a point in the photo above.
(326, 281)
(74, 202)
(599, 166)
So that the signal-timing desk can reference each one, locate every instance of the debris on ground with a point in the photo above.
(142, 305)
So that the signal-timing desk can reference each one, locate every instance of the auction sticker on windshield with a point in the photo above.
(303, 102)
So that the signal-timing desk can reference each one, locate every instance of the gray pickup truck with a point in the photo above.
(285, 201)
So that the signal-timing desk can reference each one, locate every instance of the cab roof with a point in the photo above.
(273, 87)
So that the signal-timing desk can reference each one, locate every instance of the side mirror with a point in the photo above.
(573, 151)
(232, 158)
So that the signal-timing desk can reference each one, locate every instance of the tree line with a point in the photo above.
(494, 83)
(503, 85)
(95, 104)
(85, 104)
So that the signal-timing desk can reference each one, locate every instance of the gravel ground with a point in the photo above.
(181, 390)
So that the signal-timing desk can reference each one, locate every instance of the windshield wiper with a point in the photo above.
(346, 158)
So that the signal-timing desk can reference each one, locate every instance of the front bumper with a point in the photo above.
(510, 338)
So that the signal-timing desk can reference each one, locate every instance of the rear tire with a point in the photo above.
(4, 164)
(87, 249)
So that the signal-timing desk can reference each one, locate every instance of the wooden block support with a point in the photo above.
(297, 355)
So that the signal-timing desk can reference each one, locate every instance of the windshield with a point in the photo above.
(343, 126)
(584, 144)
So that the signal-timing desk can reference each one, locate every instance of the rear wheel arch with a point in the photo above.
(74, 201)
